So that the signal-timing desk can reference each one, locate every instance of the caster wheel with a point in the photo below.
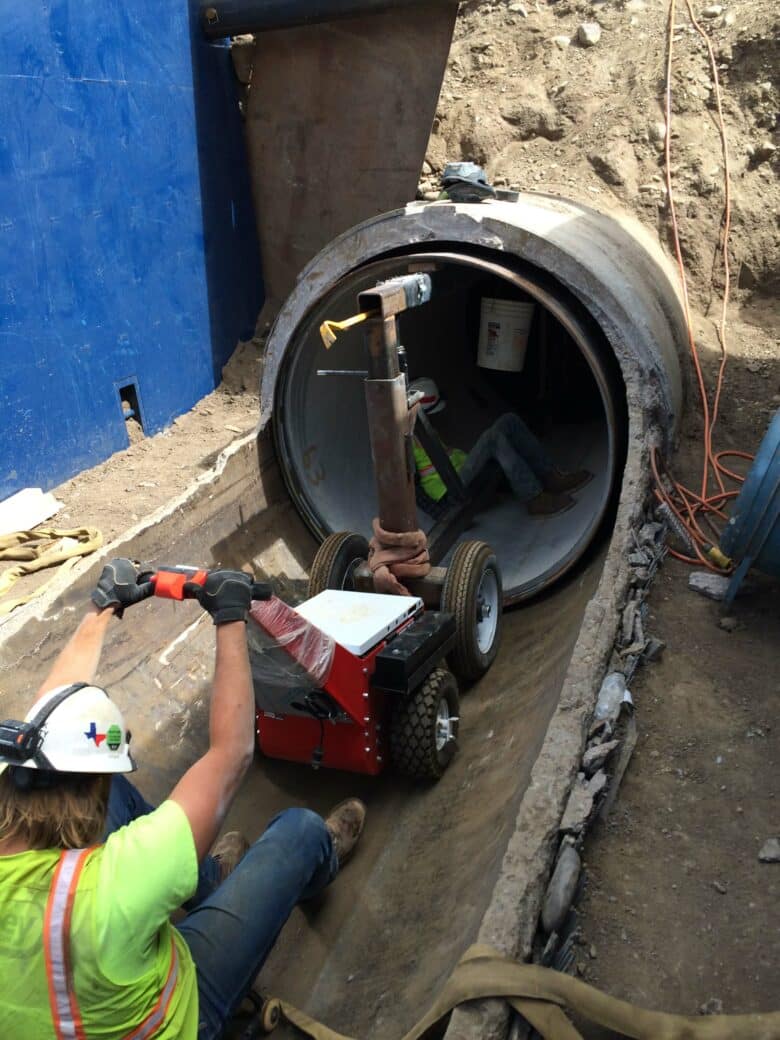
(473, 593)
(424, 727)
(270, 1015)
(335, 562)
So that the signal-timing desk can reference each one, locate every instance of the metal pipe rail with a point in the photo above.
(221, 18)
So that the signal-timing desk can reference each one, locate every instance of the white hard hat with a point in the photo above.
(71, 729)
(432, 401)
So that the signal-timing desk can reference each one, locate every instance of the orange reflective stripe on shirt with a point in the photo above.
(56, 945)
(65, 1012)
(156, 1016)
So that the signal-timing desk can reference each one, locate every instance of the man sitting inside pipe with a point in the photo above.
(529, 471)
(90, 872)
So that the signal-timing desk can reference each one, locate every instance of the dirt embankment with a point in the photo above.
(567, 97)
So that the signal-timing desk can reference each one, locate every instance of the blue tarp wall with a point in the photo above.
(128, 252)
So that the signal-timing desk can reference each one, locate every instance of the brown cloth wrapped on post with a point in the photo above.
(393, 555)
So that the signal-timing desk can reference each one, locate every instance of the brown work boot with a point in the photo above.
(548, 503)
(560, 482)
(345, 824)
(229, 851)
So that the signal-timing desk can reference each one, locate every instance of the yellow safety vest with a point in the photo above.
(430, 481)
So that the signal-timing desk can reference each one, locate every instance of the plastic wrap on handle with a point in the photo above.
(305, 643)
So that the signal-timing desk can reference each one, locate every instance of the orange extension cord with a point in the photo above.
(697, 511)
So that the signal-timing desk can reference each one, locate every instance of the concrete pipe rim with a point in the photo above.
(555, 299)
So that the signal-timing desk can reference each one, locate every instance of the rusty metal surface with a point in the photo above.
(393, 469)
(325, 155)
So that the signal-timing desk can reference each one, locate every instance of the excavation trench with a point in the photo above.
(467, 858)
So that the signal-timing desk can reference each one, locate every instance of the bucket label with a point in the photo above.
(493, 337)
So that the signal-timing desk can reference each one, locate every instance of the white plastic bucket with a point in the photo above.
(503, 334)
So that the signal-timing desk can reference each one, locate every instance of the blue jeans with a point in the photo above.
(231, 927)
(518, 452)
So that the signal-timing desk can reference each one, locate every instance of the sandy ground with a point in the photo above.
(677, 912)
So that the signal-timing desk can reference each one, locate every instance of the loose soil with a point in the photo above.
(678, 913)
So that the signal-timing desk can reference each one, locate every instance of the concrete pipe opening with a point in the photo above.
(570, 386)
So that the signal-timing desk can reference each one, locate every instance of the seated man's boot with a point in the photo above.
(345, 824)
(559, 482)
(229, 851)
(548, 503)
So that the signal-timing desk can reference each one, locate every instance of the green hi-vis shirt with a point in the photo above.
(120, 933)
(430, 481)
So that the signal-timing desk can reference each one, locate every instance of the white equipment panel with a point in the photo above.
(358, 620)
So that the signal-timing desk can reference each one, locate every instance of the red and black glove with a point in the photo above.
(118, 586)
(226, 595)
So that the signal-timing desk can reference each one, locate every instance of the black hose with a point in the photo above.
(220, 18)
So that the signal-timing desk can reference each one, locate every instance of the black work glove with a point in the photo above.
(226, 595)
(118, 586)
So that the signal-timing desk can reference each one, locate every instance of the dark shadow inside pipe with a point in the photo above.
(568, 391)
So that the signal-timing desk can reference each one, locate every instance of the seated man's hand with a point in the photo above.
(118, 586)
(226, 595)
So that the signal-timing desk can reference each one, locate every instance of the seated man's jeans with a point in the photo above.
(518, 452)
(231, 927)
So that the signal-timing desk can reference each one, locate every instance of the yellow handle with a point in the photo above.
(329, 329)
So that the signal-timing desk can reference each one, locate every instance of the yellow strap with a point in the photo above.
(541, 994)
(39, 549)
(328, 329)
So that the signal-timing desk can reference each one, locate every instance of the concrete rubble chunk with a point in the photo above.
(650, 533)
(654, 649)
(561, 42)
(561, 889)
(595, 757)
(588, 34)
(638, 559)
(578, 809)
(770, 851)
(597, 783)
(713, 586)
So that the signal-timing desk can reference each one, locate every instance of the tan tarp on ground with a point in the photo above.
(541, 994)
(39, 549)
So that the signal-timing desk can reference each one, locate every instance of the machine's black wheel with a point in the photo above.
(424, 727)
(472, 592)
(335, 562)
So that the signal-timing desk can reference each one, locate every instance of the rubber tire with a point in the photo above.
(270, 1015)
(459, 597)
(413, 728)
(334, 560)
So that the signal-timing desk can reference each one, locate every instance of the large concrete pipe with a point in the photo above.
(607, 327)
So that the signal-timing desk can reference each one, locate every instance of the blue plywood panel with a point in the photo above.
(127, 243)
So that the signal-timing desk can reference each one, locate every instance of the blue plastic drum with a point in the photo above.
(752, 536)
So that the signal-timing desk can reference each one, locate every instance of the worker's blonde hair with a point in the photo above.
(71, 814)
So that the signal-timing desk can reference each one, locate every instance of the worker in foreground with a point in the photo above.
(529, 471)
(89, 872)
